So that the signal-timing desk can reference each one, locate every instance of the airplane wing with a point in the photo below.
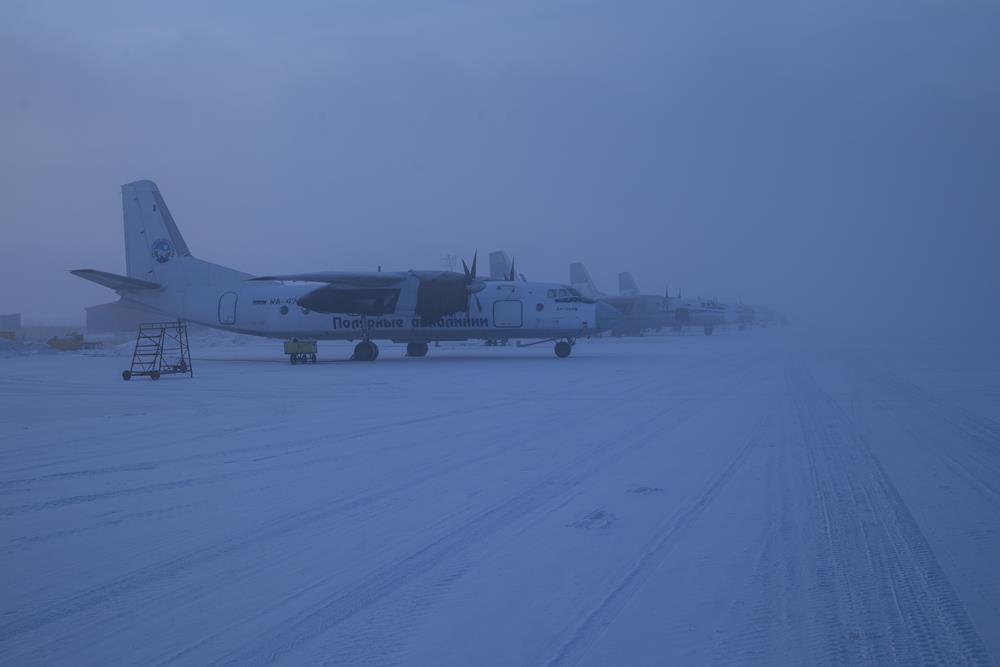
(342, 279)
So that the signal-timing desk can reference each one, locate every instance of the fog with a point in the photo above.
(837, 160)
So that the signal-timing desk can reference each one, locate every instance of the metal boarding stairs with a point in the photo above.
(161, 348)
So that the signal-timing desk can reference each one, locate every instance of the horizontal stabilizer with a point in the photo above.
(115, 281)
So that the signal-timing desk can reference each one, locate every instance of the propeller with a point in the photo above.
(472, 286)
(512, 276)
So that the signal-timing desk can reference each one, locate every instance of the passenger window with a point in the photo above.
(551, 294)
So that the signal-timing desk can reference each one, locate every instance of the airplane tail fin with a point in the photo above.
(579, 278)
(499, 265)
(154, 248)
(157, 259)
(155, 251)
(626, 284)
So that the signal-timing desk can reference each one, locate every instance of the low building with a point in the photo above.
(10, 326)
(119, 316)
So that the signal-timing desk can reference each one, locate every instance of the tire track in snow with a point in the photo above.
(386, 579)
(285, 446)
(773, 588)
(289, 522)
(971, 447)
(883, 596)
(637, 382)
(603, 615)
(282, 525)
(155, 574)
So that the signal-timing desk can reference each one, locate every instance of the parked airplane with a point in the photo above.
(704, 313)
(414, 307)
(640, 312)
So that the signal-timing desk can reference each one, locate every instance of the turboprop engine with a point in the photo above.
(438, 293)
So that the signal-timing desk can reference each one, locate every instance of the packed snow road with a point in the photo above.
(753, 498)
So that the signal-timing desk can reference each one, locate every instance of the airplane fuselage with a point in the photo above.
(505, 310)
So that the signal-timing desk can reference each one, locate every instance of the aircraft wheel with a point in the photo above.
(365, 351)
(563, 349)
(126, 375)
(708, 331)
(416, 349)
(155, 375)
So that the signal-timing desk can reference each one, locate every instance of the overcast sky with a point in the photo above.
(837, 157)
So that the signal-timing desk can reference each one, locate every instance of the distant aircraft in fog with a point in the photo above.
(640, 312)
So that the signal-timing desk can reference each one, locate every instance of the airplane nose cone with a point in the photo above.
(607, 317)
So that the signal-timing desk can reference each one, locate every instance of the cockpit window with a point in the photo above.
(563, 292)
(551, 294)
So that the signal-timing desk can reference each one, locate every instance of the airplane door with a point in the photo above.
(227, 308)
(507, 314)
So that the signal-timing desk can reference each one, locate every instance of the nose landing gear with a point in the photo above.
(564, 347)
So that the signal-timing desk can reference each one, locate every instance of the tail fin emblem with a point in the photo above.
(163, 250)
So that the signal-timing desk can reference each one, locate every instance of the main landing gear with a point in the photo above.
(708, 331)
(366, 350)
(563, 346)
(417, 349)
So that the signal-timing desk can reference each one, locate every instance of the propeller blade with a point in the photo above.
(513, 274)
(465, 267)
(475, 257)
(478, 305)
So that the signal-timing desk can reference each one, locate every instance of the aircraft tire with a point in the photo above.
(155, 375)
(365, 351)
(417, 349)
(708, 331)
(126, 375)
(563, 349)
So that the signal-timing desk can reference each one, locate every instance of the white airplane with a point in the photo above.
(414, 307)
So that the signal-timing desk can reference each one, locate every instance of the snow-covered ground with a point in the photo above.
(755, 498)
